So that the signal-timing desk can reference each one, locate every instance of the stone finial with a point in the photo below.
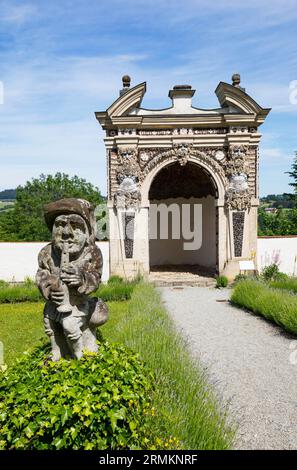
(236, 79)
(126, 84)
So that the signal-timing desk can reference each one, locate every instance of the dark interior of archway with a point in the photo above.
(185, 181)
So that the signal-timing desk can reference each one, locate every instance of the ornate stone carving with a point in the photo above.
(236, 162)
(126, 199)
(238, 228)
(238, 129)
(127, 164)
(237, 200)
(128, 226)
(182, 153)
(70, 268)
(237, 195)
(183, 131)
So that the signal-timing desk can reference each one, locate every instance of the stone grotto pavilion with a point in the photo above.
(182, 155)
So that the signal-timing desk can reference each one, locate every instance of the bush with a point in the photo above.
(274, 304)
(99, 402)
(270, 272)
(222, 281)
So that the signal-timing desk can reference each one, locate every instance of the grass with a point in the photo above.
(21, 327)
(19, 293)
(28, 292)
(275, 305)
(183, 396)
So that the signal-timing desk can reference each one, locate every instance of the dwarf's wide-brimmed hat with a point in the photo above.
(70, 206)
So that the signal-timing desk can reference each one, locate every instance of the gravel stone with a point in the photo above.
(248, 362)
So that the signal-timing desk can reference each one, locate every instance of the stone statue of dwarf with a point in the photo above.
(70, 268)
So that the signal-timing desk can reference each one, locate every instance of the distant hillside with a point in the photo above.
(285, 201)
(8, 194)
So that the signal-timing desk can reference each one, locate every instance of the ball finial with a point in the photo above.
(126, 81)
(236, 79)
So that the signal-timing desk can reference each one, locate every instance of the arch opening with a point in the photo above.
(183, 219)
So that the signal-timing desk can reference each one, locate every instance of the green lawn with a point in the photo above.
(20, 328)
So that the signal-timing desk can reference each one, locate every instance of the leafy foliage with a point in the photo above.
(293, 173)
(270, 272)
(99, 402)
(283, 222)
(25, 221)
(222, 281)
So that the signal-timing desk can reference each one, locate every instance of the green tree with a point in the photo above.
(25, 222)
(293, 173)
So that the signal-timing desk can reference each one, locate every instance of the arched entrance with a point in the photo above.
(183, 219)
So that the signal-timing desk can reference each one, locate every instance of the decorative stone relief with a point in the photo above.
(238, 228)
(181, 153)
(237, 169)
(236, 162)
(238, 129)
(184, 131)
(127, 164)
(128, 219)
(237, 200)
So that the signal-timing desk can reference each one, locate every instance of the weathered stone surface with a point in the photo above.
(70, 268)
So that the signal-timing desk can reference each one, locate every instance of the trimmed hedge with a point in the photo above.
(99, 402)
(275, 305)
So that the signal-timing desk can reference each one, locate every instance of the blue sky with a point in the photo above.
(62, 60)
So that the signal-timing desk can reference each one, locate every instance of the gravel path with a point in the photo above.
(248, 361)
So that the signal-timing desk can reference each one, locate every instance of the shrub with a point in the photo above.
(240, 277)
(222, 281)
(270, 272)
(99, 402)
(3, 284)
(274, 304)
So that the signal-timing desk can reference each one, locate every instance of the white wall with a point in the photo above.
(284, 249)
(171, 251)
(18, 260)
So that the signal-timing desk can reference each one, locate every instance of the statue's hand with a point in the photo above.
(72, 277)
(57, 295)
